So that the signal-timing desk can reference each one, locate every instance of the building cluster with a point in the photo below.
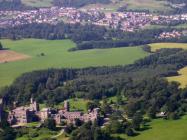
(169, 19)
(32, 113)
(169, 35)
(126, 21)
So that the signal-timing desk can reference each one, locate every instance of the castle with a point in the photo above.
(23, 114)
(1, 109)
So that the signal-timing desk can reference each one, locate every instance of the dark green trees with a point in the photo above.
(50, 124)
(1, 46)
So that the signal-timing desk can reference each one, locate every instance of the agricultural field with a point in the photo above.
(181, 78)
(180, 26)
(161, 129)
(157, 46)
(151, 5)
(8, 56)
(38, 3)
(54, 54)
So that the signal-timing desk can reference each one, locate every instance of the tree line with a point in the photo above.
(88, 36)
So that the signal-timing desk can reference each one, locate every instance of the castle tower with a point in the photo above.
(66, 105)
(31, 100)
(34, 105)
(14, 104)
(1, 109)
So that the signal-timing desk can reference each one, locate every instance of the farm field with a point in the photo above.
(38, 3)
(181, 78)
(8, 56)
(157, 46)
(54, 54)
(152, 5)
(161, 129)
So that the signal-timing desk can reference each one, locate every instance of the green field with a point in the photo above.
(43, 133)
(58, 56)
(151, 5)
(161, 129)
(38, 3)
(75, 104)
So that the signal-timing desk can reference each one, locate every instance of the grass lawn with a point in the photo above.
(57, 56)
(181, 78)
(43, 133)
(163, 130)
(157, 46)
(76, 104)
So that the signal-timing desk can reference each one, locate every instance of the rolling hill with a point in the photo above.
(47, 54)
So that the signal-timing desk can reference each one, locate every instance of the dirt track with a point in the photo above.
(9, 56)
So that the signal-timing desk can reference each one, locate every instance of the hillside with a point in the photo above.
(47, 54)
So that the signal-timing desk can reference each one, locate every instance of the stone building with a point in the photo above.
(22, 115)
(1, 109)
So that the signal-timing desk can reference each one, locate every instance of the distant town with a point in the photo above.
(126, 21)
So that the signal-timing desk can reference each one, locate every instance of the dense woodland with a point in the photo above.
(12, 5)
(141, 82)
(1, 46)
(140, 89)
(87, 36)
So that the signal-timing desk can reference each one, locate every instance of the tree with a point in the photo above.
(50, 124)
(151, 112)
(78, 122)
(7, 134)
(1, 46)
(130, 132)
(137, 120)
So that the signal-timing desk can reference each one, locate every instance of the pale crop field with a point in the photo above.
(157, 46)
(181, 78)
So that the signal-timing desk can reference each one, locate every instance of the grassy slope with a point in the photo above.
(163, 130)
(57, 56)
(152, 5)
(37, 3)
